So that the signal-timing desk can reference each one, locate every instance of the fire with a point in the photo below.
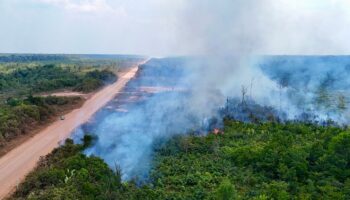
(217, 131)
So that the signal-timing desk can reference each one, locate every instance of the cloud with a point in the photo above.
(81, 5)
(168, 27)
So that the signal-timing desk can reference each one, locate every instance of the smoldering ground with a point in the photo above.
(126, 138)
(129, 127)
(228, 35)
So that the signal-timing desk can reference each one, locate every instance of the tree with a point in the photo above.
(341, 102)
(226, 191)
(244, 91)
(251, 87)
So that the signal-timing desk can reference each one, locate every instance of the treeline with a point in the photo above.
(32, 57)
(51, 77)
(67, 58)
(94, 80)
(245, 161)
(20, 116)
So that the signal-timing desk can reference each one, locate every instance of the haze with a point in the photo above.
(175, 27)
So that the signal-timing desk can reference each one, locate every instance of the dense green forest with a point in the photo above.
(21, 107)
(20, 115)
(51, 77)
(8, 62)
(34, 57)
(247, 161)
(66, 58)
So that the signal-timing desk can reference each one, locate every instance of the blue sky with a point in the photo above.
(173, 27)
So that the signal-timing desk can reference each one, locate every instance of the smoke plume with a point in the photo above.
(184, 95)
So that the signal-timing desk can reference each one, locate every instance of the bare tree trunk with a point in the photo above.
(244, 92)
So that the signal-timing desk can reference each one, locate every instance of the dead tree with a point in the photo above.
(342, 102)
(244, 91)
(227, 104)
(280, 86)
(251, 88)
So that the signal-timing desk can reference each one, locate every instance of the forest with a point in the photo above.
(51, 77)
(19, 116)
(175, 100)
(23, 108)
(267, 160)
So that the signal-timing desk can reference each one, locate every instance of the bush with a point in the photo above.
(19, 116)
(51, 77)
(264, 161)
(226, 191)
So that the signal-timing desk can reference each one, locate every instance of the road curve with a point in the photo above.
(16, 164)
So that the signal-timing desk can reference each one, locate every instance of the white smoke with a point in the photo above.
(228, 35)
(231, 33)
(287, 27)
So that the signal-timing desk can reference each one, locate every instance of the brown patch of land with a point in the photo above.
(68, 93)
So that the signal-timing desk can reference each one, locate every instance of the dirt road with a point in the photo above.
(16, 164)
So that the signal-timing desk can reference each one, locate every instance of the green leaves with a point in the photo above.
(52, 77)
(20, 116)
(265, 161)
(226, 191)
(67, 171)
(249, 161)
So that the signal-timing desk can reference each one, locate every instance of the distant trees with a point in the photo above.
(32, 57)
(52, 77)
(94, 80)
(342, 103)
(330, 100)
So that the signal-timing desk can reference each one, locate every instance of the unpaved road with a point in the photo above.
(16, 164)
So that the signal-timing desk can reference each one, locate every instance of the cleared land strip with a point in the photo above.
(16, 164)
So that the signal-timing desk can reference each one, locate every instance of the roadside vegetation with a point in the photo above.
(46, 78)
(67, 173)
(27, 79)
(20, 116)
(22, 109)
(247, 161)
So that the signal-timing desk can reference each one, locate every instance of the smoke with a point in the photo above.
(232, 33)
(226, 37)
(227, 34)
(312, 84)
(169, 97)
(154, 107)
(288, 27)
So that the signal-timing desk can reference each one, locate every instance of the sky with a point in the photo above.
(175, 27)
